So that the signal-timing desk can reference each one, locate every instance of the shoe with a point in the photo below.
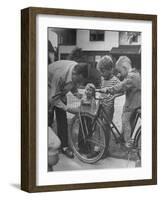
(105, 155)
(129, 144)
(83, 151)
(68, 152)
(50, 168)
(92, 154)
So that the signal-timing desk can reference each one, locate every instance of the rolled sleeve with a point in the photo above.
(55, 87)
(123, 86)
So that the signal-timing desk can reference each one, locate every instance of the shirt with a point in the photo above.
(60, 81)
(131, 86)
(109, 106)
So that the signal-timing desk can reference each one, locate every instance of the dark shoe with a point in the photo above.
(83, 151)
(68, 152)
(105, 155)
(50, 168)
(92, 154)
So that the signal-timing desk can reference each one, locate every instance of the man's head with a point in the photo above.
(105, 67)
(123, 66)
(80, 73)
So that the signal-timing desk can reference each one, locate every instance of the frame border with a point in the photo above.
(28, 98)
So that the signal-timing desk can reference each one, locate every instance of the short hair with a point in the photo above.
(105, 62)
(124, 60)
(81, 69)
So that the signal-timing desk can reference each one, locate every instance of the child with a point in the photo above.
(106, 66)
(88, 102)
(131, 86)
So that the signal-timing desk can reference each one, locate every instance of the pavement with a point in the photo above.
(66, 164)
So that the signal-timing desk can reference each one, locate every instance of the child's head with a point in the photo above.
(123, 66)
(90, 90)
(105, 67)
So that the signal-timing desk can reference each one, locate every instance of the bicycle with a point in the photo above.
(89, 130)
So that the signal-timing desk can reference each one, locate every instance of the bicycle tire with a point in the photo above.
(74, 143)
(137, 142)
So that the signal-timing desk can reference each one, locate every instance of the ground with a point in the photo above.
(118, 157)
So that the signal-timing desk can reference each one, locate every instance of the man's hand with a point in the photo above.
(102, 90)
(73, 110)
(78, 95)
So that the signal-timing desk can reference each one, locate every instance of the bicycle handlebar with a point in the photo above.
(110, 98)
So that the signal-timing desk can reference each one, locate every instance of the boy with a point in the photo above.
(131, 86)
(105, 67)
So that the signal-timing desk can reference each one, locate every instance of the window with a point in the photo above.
(128, 38)
(67, 37)
(96, 35)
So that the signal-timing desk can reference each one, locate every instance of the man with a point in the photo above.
(63, 76)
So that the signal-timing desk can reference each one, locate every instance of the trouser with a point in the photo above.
(110, 111)
(62, 126)
(127, 123)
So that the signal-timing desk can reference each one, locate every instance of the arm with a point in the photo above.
(55, 87)
(121, 87)
(76, 93)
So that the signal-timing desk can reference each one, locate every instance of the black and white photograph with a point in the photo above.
(94, 99)
(89, 99)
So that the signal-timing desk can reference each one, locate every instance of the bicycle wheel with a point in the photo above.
(87, 136)
(137, 142)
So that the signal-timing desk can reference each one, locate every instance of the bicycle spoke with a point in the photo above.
(97, 142)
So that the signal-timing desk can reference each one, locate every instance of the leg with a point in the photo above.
(126, 126)
(110, 112)
(62, 130)
(62, 126)
(50, 116)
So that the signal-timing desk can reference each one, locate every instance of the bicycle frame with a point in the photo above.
(102, 112)
(111, 125)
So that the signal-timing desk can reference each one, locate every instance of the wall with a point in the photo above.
(111, 40)
(10, 99)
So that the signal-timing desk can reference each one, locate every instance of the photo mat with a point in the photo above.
(90, 46)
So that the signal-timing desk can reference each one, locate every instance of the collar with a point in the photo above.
(69, 74)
